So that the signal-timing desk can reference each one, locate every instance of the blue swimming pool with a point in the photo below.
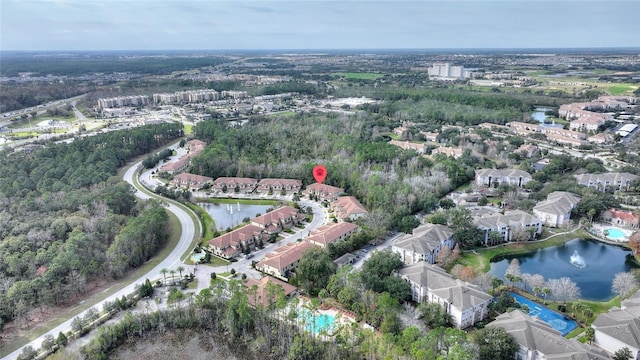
(317, 323)
(556, 320)
(615, 233)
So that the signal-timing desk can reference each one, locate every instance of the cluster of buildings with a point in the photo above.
(614, 330)
(196, 96)
(194, 148)
(246, 238)
(282, 262)
(590, 115)
(446, 71)
(560, 136)
(116, 102)
(190, 96)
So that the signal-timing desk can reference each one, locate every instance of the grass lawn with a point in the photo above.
(207, 221)
(283, 113)
(620, 89)
(188, 129)
(557, 120)
(575, 333)
(360, 76)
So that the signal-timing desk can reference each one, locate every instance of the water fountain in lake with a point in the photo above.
(577, 260)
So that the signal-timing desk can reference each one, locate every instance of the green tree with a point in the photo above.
(590, 334)
(62, 340)
(622, 354)
(433, 315)
(495, 343)
(48, 342)
(164, 272)
(379, 266)
(314, 269)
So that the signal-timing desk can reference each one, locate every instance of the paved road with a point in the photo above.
(320, 217)
(170, 262)
(79, 115)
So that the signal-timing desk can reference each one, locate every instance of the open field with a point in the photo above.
(622, 89)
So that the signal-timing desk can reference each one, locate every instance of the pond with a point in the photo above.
(591, 264)
(230, 215)
(539, 114)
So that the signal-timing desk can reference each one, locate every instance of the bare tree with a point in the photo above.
(564, 289)
(76, 282)
(514, 267)
(622, 283)
(483, 280)
(533, 280)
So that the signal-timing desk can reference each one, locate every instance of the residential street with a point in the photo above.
(172, 261)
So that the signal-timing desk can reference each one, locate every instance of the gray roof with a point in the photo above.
(424, 238)
(632, 301)
(535, 334)
(427, 275)
(558, 203)
(612, 178)
(510, 218)
(502, 172)
(621, 324)
(344, 259)
(463, 296)
(459, 293)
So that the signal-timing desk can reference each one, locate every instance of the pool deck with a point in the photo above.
(556, 320)
(598, 232)
(341, 317)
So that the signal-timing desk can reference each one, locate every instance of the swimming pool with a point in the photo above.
(615, 233)
(317, 323)
(556, 320)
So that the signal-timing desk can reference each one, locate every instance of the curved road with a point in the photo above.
(170, 262)
(173, 259)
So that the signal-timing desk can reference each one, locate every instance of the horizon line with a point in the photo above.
(628, 48)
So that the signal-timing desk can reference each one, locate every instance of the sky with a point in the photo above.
(307, 25)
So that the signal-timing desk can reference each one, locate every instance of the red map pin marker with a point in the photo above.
(319, 173)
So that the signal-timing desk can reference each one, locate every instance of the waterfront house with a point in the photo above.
(556, 210)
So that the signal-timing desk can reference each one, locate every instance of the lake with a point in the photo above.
(230, 215)
(602, 261)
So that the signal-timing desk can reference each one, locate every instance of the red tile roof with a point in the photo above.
(233, 238)
(285, 255)
(348, 205)
(275, 216)
(261, 295)
(626, 216)
(327, 234)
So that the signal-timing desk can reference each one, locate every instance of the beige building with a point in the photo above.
(331, 233)
(424, 243)
(348, 208)
(539, 341)
(283, 261)
(465, 303)
(556, 210)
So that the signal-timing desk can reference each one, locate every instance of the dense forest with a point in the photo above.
(67, 220)
(386, 179)
(102, 63)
